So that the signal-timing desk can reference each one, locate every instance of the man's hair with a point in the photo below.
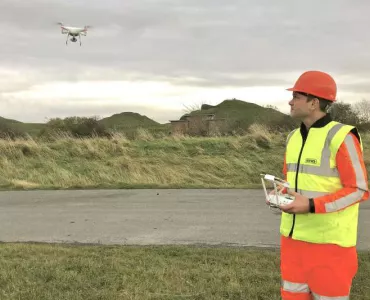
(324, 104)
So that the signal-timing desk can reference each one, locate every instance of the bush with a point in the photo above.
(283, 124)
(7, 132)
(357, 114)
(364, 127)
(76, 127)
(344, 113)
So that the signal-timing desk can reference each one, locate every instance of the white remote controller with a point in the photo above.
(276, 199)
(282, 199)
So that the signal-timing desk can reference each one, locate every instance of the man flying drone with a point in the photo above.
(326, 179)
(73, 32)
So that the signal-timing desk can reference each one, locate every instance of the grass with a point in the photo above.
(166, 162)
(41, 271)
(146, 161)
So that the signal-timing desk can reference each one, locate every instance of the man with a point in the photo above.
(324, 166)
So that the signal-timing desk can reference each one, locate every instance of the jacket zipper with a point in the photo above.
(296, 179)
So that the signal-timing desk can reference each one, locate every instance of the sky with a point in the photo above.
(160, 58)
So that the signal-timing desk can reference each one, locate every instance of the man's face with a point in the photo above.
(300, 108)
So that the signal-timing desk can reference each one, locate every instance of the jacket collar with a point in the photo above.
(325, 120)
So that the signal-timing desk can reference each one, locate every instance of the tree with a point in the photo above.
(362, 110)
(344, 113)
(272, 107)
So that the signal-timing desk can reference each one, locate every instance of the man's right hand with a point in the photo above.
(280, 188)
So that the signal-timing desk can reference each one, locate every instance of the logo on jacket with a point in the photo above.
(311, 161)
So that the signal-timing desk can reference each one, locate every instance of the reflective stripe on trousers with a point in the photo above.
(318, 297)
(293, 287)
(303, 292)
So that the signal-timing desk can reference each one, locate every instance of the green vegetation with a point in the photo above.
(129, 150)
(37, 272)
(169, 161)
(128, 120)
(238, 116)
(146, 161)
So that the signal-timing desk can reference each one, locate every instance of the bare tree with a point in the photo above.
(362, 110)
(272, 107)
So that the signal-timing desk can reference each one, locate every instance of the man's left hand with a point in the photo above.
(300, 205)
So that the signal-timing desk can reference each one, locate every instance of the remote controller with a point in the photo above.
(282, 199)
(276, 199)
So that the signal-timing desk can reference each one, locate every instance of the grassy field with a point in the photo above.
(33, 272)
(167, 162)
(181, 162)
(43, 272)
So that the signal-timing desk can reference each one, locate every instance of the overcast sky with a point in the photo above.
(158, 57)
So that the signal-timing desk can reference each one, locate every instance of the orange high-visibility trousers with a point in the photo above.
(316, 271)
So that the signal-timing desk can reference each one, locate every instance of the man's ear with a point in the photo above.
(314, 102)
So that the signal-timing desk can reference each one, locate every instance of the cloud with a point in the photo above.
(167, 101)
(200, 49)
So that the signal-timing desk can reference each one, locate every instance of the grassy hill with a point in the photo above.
(9, 121)
(241, 114)
(130, 122)
(238, 114)
(127, 120)
(10, 125)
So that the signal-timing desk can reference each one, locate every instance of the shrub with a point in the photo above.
(76, 127)
(8, 132)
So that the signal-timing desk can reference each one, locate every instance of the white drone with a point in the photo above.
(73, 32)
(275, 198)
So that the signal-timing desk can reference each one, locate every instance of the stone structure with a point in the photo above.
(202, 124)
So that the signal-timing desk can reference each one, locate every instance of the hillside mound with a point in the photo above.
(128, 120)
(241, 114)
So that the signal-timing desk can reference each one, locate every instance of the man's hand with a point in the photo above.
(300, 205)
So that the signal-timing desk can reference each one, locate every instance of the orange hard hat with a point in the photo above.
(316, 83)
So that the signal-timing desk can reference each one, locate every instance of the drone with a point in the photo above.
(276, 198)
(73, 32)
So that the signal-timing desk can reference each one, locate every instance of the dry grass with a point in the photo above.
(146, 161)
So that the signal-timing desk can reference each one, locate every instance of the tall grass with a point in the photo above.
(146, 161)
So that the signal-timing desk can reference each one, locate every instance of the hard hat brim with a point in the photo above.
(295, 90)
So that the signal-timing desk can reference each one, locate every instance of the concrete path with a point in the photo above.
(143, 217)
